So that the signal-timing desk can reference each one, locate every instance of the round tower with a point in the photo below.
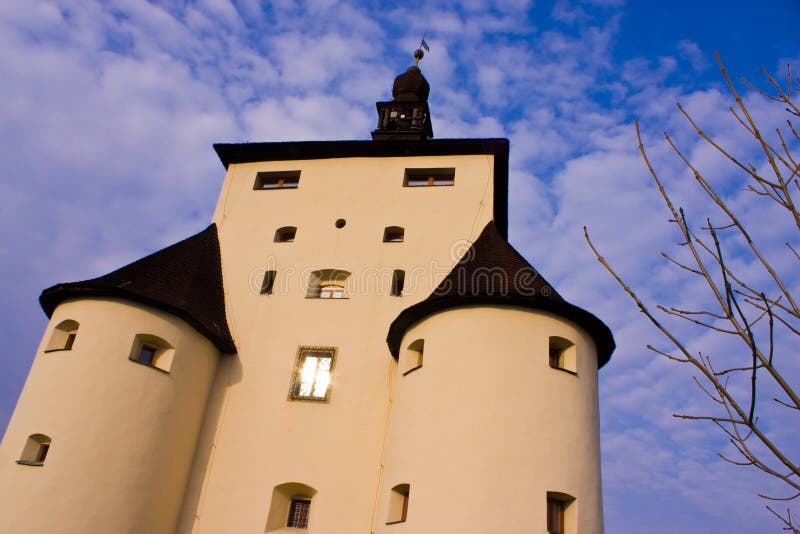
(105, 430)
(494, 423)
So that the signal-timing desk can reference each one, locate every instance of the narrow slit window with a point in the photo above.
(398, 504)
(559, 506)
(414, 355)
(429, 177)
(562, 354)
(277, 180)
(398, 282)
(285, 234)
(394, 234)
(268, 282)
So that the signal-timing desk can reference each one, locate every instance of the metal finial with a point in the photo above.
(418, 54)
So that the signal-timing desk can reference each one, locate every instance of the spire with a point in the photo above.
(407, 116)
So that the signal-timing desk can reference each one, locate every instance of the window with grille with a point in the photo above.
(331, 292)
(312, 375)
(429, 177)
(298, 513)
(328, 284)
(277, 180)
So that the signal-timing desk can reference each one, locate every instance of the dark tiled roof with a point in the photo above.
(184, 279)
(230, 153)
(492, 272)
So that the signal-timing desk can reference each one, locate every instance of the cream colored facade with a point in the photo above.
(468, 431)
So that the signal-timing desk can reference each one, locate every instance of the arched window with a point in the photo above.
(328, 284)
(290, 506)
(152, 351)
(414, 354)
(393, 234)
(36, 448)
(63, 336)
(398, 504)
(562, 354)
(285, 234)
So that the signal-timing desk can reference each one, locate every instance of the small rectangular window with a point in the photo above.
(298, 513)
(429, 177)
(268, 282)
(398, 282)
(312, 374)
(277, 180)
(146, 354)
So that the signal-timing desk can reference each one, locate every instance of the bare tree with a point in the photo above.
(750, 391)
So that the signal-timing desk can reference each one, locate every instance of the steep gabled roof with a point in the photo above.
(184, 279)
(492, 272)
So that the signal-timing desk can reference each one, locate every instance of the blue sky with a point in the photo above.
(108, 111)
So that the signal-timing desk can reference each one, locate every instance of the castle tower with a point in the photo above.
(351, 347)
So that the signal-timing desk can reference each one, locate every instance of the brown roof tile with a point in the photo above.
(184, 279)
(492, 272)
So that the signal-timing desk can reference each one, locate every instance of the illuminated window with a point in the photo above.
(328, 284)
(398, 504)
(285, 234)
(312, 374)
(277, 180)
(429, 177)
(36, 448)
(562, 354)
(393, 234)
(63, 336)
(331, 292)
(152, 351)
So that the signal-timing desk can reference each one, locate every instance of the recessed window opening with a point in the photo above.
(35, 451)
(299, 510)
(290, 506)
(398, 504)
(312, 374)
(285, 234)
(268, 282)
(398, 282)
(413, 358)
(558, 506)
(277, 180)
(562, 354)
(152, 351)
(429, 177)
(328, 284)
(393, 234)
(63, 336)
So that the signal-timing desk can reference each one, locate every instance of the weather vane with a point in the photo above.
(418, 53)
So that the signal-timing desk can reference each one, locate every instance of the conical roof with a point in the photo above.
(492, 272)
(184, 279)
